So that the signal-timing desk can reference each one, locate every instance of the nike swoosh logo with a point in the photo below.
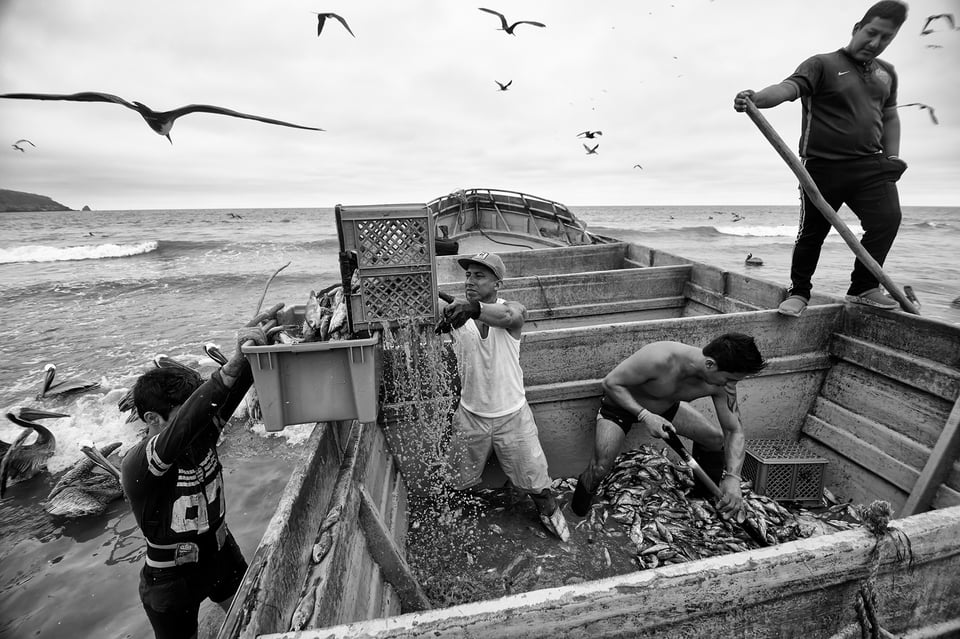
(842, 72)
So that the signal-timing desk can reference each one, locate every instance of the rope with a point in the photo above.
(875, 518)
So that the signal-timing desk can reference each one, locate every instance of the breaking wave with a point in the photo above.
(41, 253)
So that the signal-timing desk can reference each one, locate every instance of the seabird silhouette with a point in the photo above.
(235, 216)
(940, 16)
(17, 146)
(753, 261)
(159, 121)
(70, 386)
(510, 27)
(322, 18)
(84, 489)
(637, 166)
(589, 134)
(504, 87)
(922, 106)
(20, 460)
(592, 151)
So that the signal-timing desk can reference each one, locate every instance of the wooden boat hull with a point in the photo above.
(875, 393)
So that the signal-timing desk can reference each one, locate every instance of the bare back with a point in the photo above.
(661, 374)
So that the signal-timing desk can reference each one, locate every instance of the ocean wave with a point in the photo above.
(785, 230)
(41, 253)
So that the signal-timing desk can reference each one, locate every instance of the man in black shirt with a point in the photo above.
(174, 483)
(849, 144)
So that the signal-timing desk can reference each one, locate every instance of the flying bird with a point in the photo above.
(17, 146)
(84, 490)
(948, 17)
(159, 121)
(637, 166)
(589, 134)
(510, 27)
(20, 460)
(592, 151)
(922, 106)
(322, 18)
(504, 87)
(67, 387)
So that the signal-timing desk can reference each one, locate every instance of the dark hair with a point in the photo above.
(735, 353)
(892, 10)
(162, 389)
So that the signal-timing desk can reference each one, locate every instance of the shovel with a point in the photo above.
(701, 475)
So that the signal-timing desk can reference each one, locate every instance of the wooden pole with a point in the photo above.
(938, 465)
(810, 187)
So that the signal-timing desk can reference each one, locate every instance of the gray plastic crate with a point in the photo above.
(784, 471)
(395, 263)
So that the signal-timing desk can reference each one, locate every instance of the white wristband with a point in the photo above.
(642, 415)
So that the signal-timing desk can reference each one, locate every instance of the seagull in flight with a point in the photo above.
(322, 18)
(510, 27)
(940, 16)
(159, 121)
(17, 146)
(589, 134)
(637, 166)
(504, 87)
(592, 151)
(922, 106)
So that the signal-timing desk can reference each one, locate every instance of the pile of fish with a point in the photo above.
(325, 319)
(647, 493)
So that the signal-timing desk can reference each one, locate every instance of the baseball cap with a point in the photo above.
(491, 260)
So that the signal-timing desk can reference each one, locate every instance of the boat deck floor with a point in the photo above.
(489, 542)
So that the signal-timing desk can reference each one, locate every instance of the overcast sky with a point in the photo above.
(411, 109)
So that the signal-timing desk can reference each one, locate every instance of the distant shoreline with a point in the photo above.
(20, 201)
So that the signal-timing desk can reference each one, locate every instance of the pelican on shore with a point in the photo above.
(66, 387)
(88, 487)
(753, 261)
(21, 460)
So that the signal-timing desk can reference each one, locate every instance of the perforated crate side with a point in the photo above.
(395, 258)
(384, 298)
(784, 471)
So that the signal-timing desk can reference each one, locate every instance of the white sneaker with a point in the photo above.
(556, 524)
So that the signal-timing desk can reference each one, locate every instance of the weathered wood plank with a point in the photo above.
(927, 375)
(889, 441)
(591, 352)
(717, 300)
(804, 588)
(938, 466)
(390, 558)
(546, 261)
(930, 339)
(902, 408)
(857, 450)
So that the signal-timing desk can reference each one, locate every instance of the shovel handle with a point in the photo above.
(674, 442)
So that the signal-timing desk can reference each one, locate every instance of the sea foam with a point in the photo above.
(41, 253)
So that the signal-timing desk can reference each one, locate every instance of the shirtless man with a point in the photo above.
(652, 386)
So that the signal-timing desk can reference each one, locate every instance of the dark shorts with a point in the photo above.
(172, 596)
(625, 419)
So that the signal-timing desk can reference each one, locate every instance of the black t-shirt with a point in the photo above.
(174, 480)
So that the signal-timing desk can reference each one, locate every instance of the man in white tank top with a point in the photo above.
(493, 413)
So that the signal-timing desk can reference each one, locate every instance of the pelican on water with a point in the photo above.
(88, 486)
(20, 460)
(51, 388)
(753, 261)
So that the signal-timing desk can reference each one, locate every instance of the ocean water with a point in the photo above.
(101, 293)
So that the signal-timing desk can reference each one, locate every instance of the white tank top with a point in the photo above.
(490, 376)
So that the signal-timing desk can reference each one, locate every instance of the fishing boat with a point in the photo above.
(871, 394)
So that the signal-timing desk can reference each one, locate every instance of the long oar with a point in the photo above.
(817, 198)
